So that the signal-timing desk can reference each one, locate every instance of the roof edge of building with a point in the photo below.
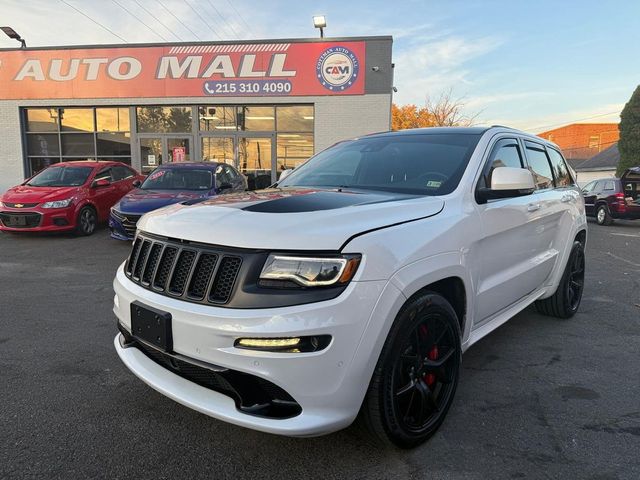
(199, 43)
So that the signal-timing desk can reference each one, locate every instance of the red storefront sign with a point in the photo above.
(238, 70)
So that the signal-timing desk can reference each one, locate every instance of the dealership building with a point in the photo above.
(261, 105)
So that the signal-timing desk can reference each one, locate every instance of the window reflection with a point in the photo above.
(77, 119)
(113, 119)
(256, 118)
(214, 118)
(293, 149)
(42, 119)
(295, 118)
(164, 119)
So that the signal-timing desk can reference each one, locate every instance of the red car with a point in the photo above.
(67, 196)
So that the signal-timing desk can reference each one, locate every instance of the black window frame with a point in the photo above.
(495, 148)
(566, 165)
(539, 147)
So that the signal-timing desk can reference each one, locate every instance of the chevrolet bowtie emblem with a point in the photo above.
(18, 205)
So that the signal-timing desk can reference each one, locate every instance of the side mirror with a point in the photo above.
(284, 174)
(103, 182)
(507, 182)
(136, 183)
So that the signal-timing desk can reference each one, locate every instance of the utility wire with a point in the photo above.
(181, 22)
(203, 20)
(95, 21)
(573, 121)
(224, 19)
(241, 18)
(159, 21)
(138, 19)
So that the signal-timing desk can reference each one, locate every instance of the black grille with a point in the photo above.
(20, 220)
(195, 273)
(225, 279)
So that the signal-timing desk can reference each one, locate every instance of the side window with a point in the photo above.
(505, 153)
(539, 166)
(560, 169)
(104, 174)
(222, 176)
(231, 173)
(609, 185)
(589, 187)
(119, 173)
(598, 187)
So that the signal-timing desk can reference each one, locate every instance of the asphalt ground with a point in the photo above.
(538, 398)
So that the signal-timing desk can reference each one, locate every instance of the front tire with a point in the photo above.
(416, 376)
(566, 301)
(87, 221)
(603, 217)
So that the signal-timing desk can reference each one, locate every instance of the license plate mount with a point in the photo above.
(151, 326)
(17, 221)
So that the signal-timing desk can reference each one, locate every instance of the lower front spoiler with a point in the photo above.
(220, 406)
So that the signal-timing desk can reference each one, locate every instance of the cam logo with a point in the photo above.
(18, 205)
(337, 68)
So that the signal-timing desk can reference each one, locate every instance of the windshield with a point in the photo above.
(178, 179)
(420, 164)
(61, 177)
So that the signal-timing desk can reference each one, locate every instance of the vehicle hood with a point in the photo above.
(27, 194)
(140, 201)
(287, 219)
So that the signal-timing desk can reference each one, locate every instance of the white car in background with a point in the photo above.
(353, 287)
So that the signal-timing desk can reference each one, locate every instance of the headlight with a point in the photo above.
(58, 203)
(310, 271)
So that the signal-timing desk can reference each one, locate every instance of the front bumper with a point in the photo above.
(329, 385)
(39, 219)
(123, 228)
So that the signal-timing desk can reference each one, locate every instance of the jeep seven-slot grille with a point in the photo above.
(193, 273)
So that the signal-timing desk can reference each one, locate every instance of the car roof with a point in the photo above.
(464, 131)
(207, 165)
(88, 163)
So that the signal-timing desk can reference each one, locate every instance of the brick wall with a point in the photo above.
(583, 140)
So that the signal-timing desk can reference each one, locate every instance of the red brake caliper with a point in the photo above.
(430, 378)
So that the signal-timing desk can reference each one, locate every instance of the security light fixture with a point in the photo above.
(11, 33)
(320, 21)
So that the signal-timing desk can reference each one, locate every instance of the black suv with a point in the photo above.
(610, 198)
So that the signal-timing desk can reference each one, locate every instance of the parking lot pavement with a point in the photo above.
(538, 398)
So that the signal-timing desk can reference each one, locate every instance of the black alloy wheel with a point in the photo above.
(87, 221)
(417, 374)
(564, 303)
(574, 285)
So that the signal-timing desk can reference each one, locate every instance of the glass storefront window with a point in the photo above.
(218, 149)
(293, 149)
(254, 160)
(77, 119)
(113, 119)
(42, 145)
(150, 153)
(218, 118)
(38, 164)
(178, 149)
(164, 119)
(78, 144)
(295, 118)
(256, 118)
(114, 144)
(42, 119)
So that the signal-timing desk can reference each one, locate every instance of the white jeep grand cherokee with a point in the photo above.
(353, 286)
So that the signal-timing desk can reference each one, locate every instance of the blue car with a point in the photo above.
(168, 184)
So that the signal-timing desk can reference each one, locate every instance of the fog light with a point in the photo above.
(289, 345)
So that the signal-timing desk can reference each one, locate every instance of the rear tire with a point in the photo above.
(87, 221)
(416, 376)
(603, 217)
(566, 301)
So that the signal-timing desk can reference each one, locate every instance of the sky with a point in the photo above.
(533, 65)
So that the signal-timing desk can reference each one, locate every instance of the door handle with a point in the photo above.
(532, 207)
